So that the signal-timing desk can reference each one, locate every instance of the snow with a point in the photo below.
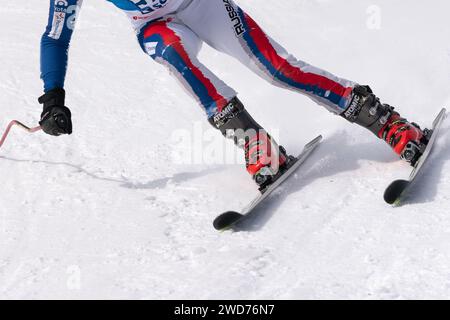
(108, 213)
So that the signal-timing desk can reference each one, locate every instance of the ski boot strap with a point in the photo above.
(235, 122)
(366, 110)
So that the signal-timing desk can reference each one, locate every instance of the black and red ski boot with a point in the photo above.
(264, 158)
(407, 139)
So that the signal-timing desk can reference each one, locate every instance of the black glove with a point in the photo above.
(56, 118)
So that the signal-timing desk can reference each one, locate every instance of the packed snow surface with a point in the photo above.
(112, 212)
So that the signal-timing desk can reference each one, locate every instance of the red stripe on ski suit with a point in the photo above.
(170, 38)
(284, 67)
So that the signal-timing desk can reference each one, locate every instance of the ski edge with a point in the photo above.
(235, 217)
(405, 184)
(300, 159)
(436, 128)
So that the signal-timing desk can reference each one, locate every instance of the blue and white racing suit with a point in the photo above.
(172, 32)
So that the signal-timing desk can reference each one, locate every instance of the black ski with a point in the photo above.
(228, 219)
(397, 190)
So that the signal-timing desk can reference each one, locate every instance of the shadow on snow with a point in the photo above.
(337, 155)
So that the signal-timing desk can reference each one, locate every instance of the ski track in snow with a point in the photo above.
(105, 213)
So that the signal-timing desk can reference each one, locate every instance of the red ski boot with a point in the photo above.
(264, 158)
(405, 138)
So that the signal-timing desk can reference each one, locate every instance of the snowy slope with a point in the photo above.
(109, 213)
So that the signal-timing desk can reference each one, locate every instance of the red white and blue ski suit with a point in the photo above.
(172, 32)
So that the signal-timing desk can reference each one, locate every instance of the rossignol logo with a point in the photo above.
(352, 112)
(238, 26)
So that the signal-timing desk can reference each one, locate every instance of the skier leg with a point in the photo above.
(226, 27)
(218, 23)
(176, 46)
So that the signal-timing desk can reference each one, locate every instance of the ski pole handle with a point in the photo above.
(19, 124)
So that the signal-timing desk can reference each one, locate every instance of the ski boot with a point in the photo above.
(407, 139)
(264, 159)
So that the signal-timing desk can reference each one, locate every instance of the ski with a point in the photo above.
(398, 189)
(229, 219)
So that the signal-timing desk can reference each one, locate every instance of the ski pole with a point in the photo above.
(19, 124)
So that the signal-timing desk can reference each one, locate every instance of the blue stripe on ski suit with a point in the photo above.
(169, 54)
(324, 94)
